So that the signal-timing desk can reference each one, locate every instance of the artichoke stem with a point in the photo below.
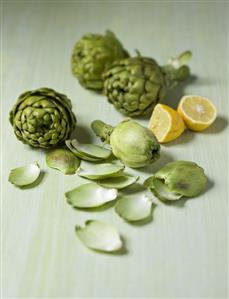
(102, 130)
(180, 60)
(176, 70)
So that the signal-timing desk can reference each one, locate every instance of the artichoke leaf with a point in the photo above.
(101, 171)
(91, 150)
(134, 207)
(177, 179)
(63, 160)
(161, 190)
(26, 175)
(99, 236)
(80, 155)
(119, 182)
(90, 195)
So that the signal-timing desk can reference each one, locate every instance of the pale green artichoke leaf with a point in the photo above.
(80, 155)
(26, 175)
(101, 171)
(119, 182)
(62, 160)
(177, 179)
(90, 195)
(91, 150)
(134, 207)
(183, 177)
(99, 236)
(160, 189)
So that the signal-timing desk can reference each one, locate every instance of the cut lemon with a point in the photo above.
(197, 112)
(166, 123)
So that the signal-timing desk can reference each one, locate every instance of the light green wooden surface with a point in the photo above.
(182, 253)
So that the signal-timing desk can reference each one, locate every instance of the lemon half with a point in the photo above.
(166, 123)
(197, 112)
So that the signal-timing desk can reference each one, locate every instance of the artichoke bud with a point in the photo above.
(92, 54)
(144, 80)
(43, 118)
(135, 145)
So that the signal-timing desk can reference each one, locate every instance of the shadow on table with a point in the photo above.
(82, 134)
(219, 125)
(185, 137)
(174, 95)
(152, 168)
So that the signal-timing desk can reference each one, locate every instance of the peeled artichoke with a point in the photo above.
(135, 85)
(42, 118)
(91, 54)
(135, 145)
(177, 179)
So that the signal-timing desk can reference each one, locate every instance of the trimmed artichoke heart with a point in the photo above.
(135, 145)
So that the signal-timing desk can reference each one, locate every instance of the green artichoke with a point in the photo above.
(135, 85)
(91, 54)
(42, 118)
(135, 145)
(177, 179)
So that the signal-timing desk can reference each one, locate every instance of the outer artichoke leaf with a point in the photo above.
(26, 175)
(92, 150)
(90, 195)
(101, 171)
(119, 182)
(183, 177)
(63, 160)
(99, 236)
(160, 189)
(134, 207)
(149, 182)
(78, 154)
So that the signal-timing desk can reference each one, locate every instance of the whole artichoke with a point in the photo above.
(135, 145)
(91, 54)
(135, 85)
(42, 118)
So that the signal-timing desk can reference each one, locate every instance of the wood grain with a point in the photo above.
(183, 252)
